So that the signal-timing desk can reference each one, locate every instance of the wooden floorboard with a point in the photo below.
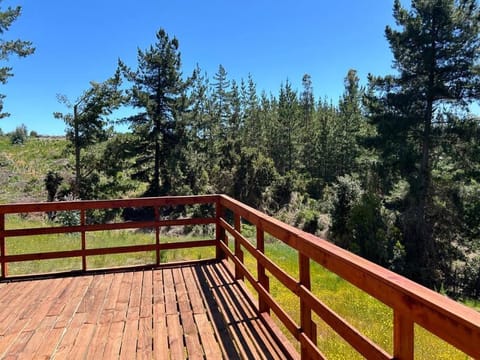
(189, 311)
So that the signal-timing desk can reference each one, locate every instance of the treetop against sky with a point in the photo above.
(79, 42)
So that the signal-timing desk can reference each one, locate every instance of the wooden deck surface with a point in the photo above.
(190, 311)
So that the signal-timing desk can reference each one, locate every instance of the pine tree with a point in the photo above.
(159, 90)
(350, 118)
(436, 50)
(285, 150)
(254, 132)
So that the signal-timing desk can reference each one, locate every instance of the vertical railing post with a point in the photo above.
(157, 235)
(3, 252)
(262, 276)
(219, 230)
(238, 250)
(306, 323)
(84, 242)
(403, 336)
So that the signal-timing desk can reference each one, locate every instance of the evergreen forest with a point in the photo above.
(390, 171)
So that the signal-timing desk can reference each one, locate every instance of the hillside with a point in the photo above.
(23, 167)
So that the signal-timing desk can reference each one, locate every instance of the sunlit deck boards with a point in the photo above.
(192, 311)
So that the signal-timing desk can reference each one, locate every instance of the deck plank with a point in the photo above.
(193, 311)
(129, 340)
(99, 339)
(146, 305)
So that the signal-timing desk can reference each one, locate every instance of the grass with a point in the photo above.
(365, 313)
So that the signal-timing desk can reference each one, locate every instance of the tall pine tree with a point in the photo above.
(159, 91)
(436, 50)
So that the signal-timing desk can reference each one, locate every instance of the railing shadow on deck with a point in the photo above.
(411, 303)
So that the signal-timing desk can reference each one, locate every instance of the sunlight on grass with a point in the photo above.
(429, 346)
(44, 266)
(120, 260)
(114, 238)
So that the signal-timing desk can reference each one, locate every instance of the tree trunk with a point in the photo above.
(76, 190)
(155, 186)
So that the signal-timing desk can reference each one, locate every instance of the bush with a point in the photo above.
(347, 192)
(19, 136)
(68, 218)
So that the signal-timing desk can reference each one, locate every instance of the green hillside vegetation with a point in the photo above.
(23, 167)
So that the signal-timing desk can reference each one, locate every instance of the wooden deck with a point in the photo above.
(193, 311)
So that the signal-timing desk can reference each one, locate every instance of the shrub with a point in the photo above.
(68, 218)
(19, 136)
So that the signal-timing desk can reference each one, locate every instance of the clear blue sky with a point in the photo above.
(274, 40)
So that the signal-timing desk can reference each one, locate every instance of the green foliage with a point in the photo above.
(52, 181)
(347, 192)
(86, 127)
(23, 168)
(471, 278)
(373, 237)
(19, 136)
(253, 175)
(68, 218)
(435, 47)
(159, 91)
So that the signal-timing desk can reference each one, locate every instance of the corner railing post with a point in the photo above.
(157, 235)
(2, 246)
(403, 336)
(84, 242)
(307, 325)
(238, 249)
(219, 230)
(262, 276)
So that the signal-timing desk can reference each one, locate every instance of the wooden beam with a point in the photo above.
(238, 248)
(3, 263)
(261, 273)
(403, 337)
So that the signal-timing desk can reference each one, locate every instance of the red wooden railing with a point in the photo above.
(411, 303)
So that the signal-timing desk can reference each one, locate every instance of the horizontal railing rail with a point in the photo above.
(411, 303)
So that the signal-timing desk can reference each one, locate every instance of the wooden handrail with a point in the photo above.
(83, 228)
(411, 303)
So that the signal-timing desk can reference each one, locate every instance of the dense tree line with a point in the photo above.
(396, 164)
